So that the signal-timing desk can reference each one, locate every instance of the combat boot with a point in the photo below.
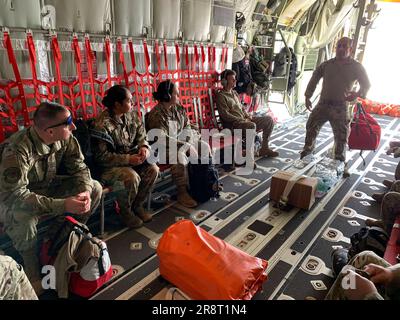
(374, 223)
(387, 183)
(304, 153)
(340, 258)
(346, 172)
(268, 153)
(185, 199)
(143, 214)
(378, 197)
(131, 221)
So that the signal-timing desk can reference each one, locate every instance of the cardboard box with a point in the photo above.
(302, 194)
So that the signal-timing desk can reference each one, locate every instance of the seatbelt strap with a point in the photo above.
(122, 60)
(107, 50)
(90, 58)
(196, 57)
(158, 57)
(33, 60)
(223, 54)
(203, 57)
(13, 62)
(134, 73)
(146, 54)
(57, 61)
(187, 57)
(132, 53)
(165, 55)
(78, 61)
(178, 56)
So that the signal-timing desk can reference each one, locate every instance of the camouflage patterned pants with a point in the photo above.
(359, 261)
(339, 120)
(391, 206)
(266, 124)
(131, 184)
(14, 285)
(21, 226)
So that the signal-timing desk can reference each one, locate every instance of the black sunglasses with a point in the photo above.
(67, 122)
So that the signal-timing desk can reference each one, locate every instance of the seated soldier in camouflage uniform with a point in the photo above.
(14, 285)
(339, 76)
(394, 148)
(383, 282)
(43, 173)
(171, 119)
(123, 161)
(390, 208)
(234, 117)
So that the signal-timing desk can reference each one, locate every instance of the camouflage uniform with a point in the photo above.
(391, 206)
(14, 285)
(173, 123)
(131, 184)
(359, 262)
(338, 79)
(31, 187)
(234, 117)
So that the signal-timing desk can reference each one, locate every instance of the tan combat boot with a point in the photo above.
(378, 197)
(131, 221)
(374, 223)
(268, 153)
(387, 183)
(185, 199)
(143, 214)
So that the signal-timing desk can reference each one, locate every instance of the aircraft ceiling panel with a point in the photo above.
(20, 13)
(166, 19)
(131, 16)
(81, 15)
(294, 11)
(196, 18)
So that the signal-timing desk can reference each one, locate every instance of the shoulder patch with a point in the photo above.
(12, 175)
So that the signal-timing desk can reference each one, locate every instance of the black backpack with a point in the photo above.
(86, 136)
(203, 181)
(369, 238)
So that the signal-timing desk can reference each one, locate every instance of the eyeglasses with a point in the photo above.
(67, 122)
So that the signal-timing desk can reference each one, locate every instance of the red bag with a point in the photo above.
(205, 267)
(95, 273)
(365, 131)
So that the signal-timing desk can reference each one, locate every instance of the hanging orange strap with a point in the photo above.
(78, 60)
(165, 55)
(122, 60)
(146, 54)
(178, 56)
(33, 60)
(107, 50)
(57, 61)
(13, 62)
(90, 58)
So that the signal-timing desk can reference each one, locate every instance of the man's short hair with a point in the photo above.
(46, 114)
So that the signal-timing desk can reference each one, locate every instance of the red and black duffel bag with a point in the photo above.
(365, 133)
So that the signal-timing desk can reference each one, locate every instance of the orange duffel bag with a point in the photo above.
(205, 267)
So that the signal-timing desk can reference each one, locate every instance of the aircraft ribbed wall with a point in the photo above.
(20, 13)
(196, 18)
(131, 16)
(81, 15)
